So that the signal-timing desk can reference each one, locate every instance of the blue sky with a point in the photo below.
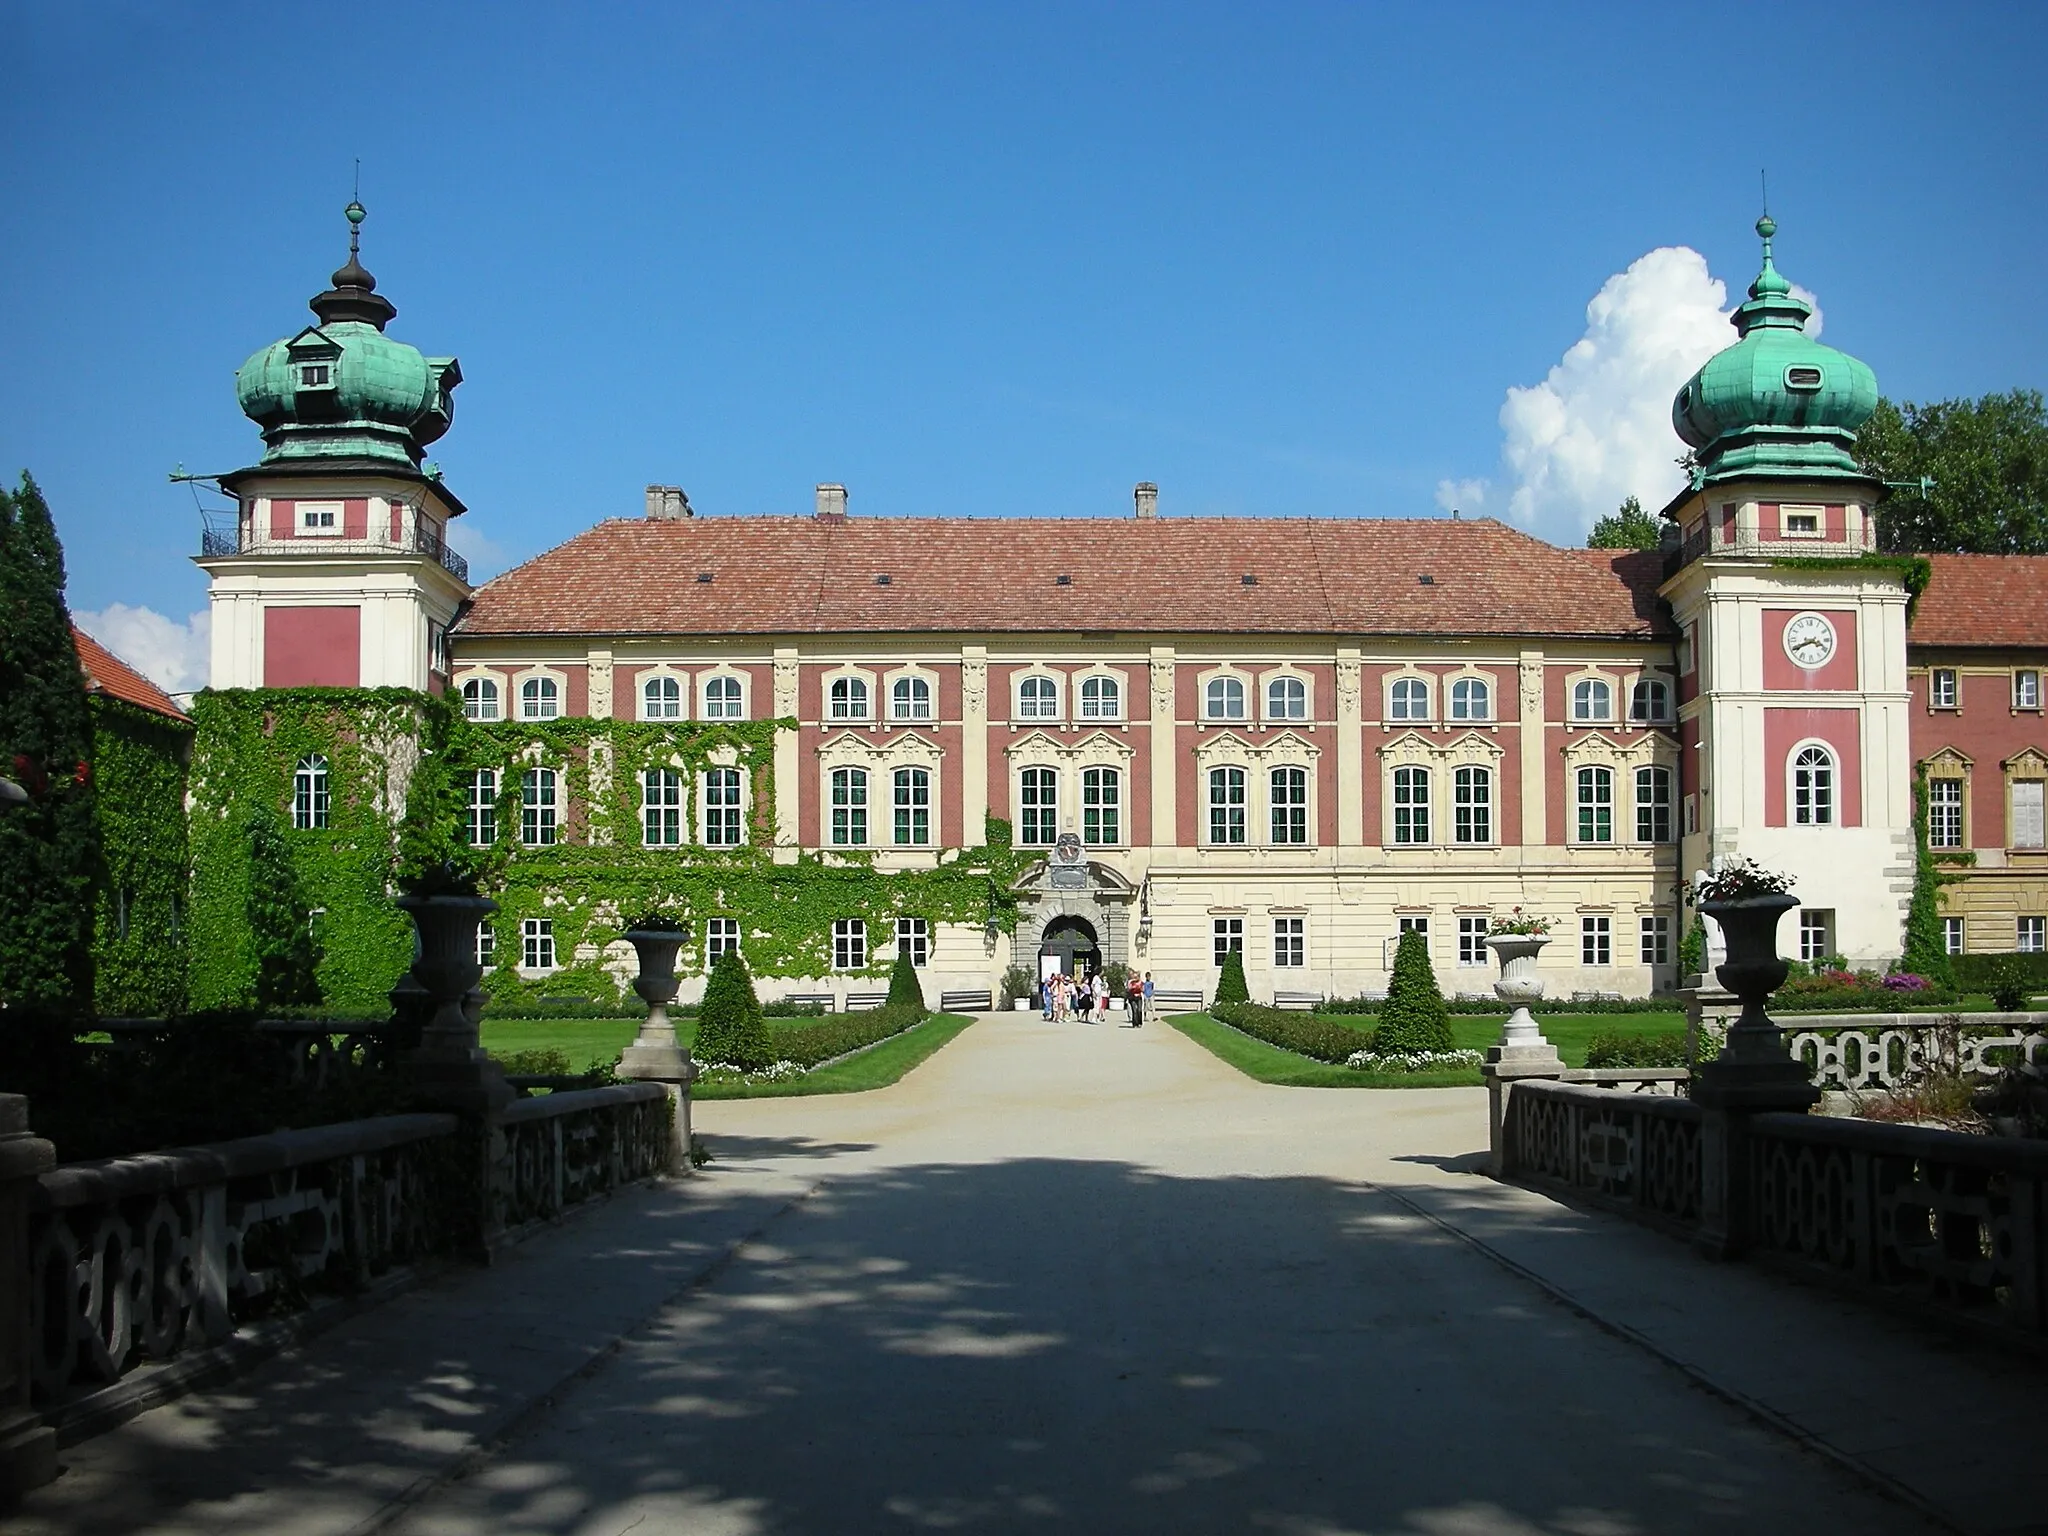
(987, 259)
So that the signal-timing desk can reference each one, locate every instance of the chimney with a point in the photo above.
(832, 503)
(667, 503)
(1146, 498)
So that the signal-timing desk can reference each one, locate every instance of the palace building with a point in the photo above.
(1296, 737)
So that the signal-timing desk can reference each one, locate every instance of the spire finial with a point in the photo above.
(354, 294)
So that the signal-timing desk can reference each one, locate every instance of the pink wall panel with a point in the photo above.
(355, 518)
(576, 690)
(283, 519)
(312, 647)
(1785, 728)
(1782, 674)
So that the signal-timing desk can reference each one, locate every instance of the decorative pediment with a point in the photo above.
(313, 342)
(1094, 748)
(1949, 760)
(1599, 747)
(894, 750)
(2026, 763)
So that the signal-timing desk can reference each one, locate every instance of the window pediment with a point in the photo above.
(1096, 747)
(1598, 747)
(2026, 763)
(850, 748)
(1949, 761)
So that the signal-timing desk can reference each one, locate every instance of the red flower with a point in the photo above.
(82, 774)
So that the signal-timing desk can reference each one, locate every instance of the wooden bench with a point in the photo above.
(810, 1000)
(967, 1002)
(860, 1002)
(1167, 999)
(1308, 1002)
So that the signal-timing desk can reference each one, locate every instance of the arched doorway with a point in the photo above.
(1069, 947)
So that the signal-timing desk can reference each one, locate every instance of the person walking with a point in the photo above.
(1045, 998)
(1146, 1008)
(1134, 999)
(1101, 988)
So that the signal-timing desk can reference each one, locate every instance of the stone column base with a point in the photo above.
(1506, 1065)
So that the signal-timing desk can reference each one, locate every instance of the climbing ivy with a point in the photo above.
(400, 767)
(1913, 571)
(1925, 953)
(139, 927)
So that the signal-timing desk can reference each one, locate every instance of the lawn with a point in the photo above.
(1571, 1033)
(596, 1042)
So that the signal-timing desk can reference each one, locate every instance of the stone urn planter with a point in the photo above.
(449, 1061)
(1519, 986)
(1754, 1070)
(655, 1053)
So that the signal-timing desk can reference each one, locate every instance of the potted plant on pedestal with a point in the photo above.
(656, 938)
(1516, 940)
(1747, 902)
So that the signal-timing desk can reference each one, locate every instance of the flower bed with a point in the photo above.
(805, 1043)
(1838, 991)
(1412, 1061)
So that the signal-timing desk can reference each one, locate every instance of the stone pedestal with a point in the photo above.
(655, 1056)
(28, 1448)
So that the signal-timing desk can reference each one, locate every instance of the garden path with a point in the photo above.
(1090, 1279)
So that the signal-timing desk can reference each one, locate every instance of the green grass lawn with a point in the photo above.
(1571, 1033)
(596, 1042)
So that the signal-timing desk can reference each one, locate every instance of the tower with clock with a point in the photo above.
(1792, 652)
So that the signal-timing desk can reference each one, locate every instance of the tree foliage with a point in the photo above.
(1629, 528)
(1988, 463)
(277, 918)
(1230, 984)
(1414, 1017)
(905, 990)
(1925, 954)
(730, 1029)
(49, 848)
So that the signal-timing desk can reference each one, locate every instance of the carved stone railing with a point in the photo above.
(1957, 1221)
(1850, 1052)
(1639, 1152)
(312, 1052)
(561, 1149)
(136, 1259)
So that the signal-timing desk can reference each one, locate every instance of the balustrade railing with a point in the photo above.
(1845, 1053)
(230, 539)
(568, 1147)
(1639, 1152)
(313, 1053)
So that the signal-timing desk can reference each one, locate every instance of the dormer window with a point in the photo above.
(1803, 378)
(316, 376)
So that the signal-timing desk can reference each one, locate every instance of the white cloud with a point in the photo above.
(173, 655)
(1598, 428)
(1462, 495)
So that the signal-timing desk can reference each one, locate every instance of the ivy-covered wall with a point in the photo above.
(140, 925)
(399, 766)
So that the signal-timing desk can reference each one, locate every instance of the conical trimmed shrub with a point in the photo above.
(1230, 987)
(905, 990)
(730, 1030)
(1414, 1017)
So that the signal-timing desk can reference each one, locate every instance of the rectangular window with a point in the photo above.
(1816, 930)
(661, 808)
(486, 944)
(1655, 948)
(1472, 940)
(1653, 805)
(320, 517)
(537, 808)
(1289, 947)
(1941, 688)
(480, 811)
(2031, 935)
(1289, 788)
(1101, 807)
(720, 934)
(913, 807)
(537, 943)
(1227, 934)
(915, 935)
(1226, 805)
(1596, 805)
(1952, 935)
(1802, 523)
(723, 827)
(1472, 806)
(1596, 941)
(2026, 814)
(849, 944)
(849, 807)
(1411, 805)
(1390, 947)
(1039, 800)
(1944, 813)
(2026, 689)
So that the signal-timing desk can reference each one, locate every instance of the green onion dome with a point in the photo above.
(1777, 402)
(342, 389)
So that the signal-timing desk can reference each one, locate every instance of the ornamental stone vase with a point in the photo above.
(1522, 1041)
(1754, 1070)
(655, 1054)
(449, 1063)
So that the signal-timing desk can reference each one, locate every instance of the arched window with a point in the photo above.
(1411, 805)
(1226, 803)
(1038, 698)
(1288, 796)
(1651, 700)
(1472, 805)
(480, 699)
(1813, 787)
(1099, 698)
(910, 698)
(723, 827)
(849, 698)
(537, 808)
(1596, 804)
(661, 808)
(1409, 700)
(480, 808)
(913, 807)
(309, 793)
(1224, 699)
(539, 699)
(661, 698)
(1653, 805)
(1471, 699)
(723, 699)
(1286, 699)
(1039, 800)
(1592, 699)
(849, 807)
(1101, 807)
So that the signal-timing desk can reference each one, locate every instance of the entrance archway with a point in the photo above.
(1069, 946)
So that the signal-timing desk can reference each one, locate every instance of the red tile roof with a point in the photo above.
(109, 674)
(1984, 600)
(801, 575)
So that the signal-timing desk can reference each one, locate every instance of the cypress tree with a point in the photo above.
(1926, 954)
(1230, 985)
(1414, 1018)
(905, 990)
(49, 848)
(730, 1030)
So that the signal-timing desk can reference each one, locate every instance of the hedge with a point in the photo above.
(1303, 1033)
(1636, 1051)
(1485, 1006)
(808, 1043)
(1979, 973)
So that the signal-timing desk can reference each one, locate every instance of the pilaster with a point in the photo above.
(788, 767)
(1535, 758)
(601, 707)
(973, 742)
(1350, 748)
(1165, 760)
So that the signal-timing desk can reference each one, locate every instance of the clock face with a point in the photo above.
(1810, 640)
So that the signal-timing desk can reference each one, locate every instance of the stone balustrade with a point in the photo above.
(1851, 1052)
(560, 1149)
